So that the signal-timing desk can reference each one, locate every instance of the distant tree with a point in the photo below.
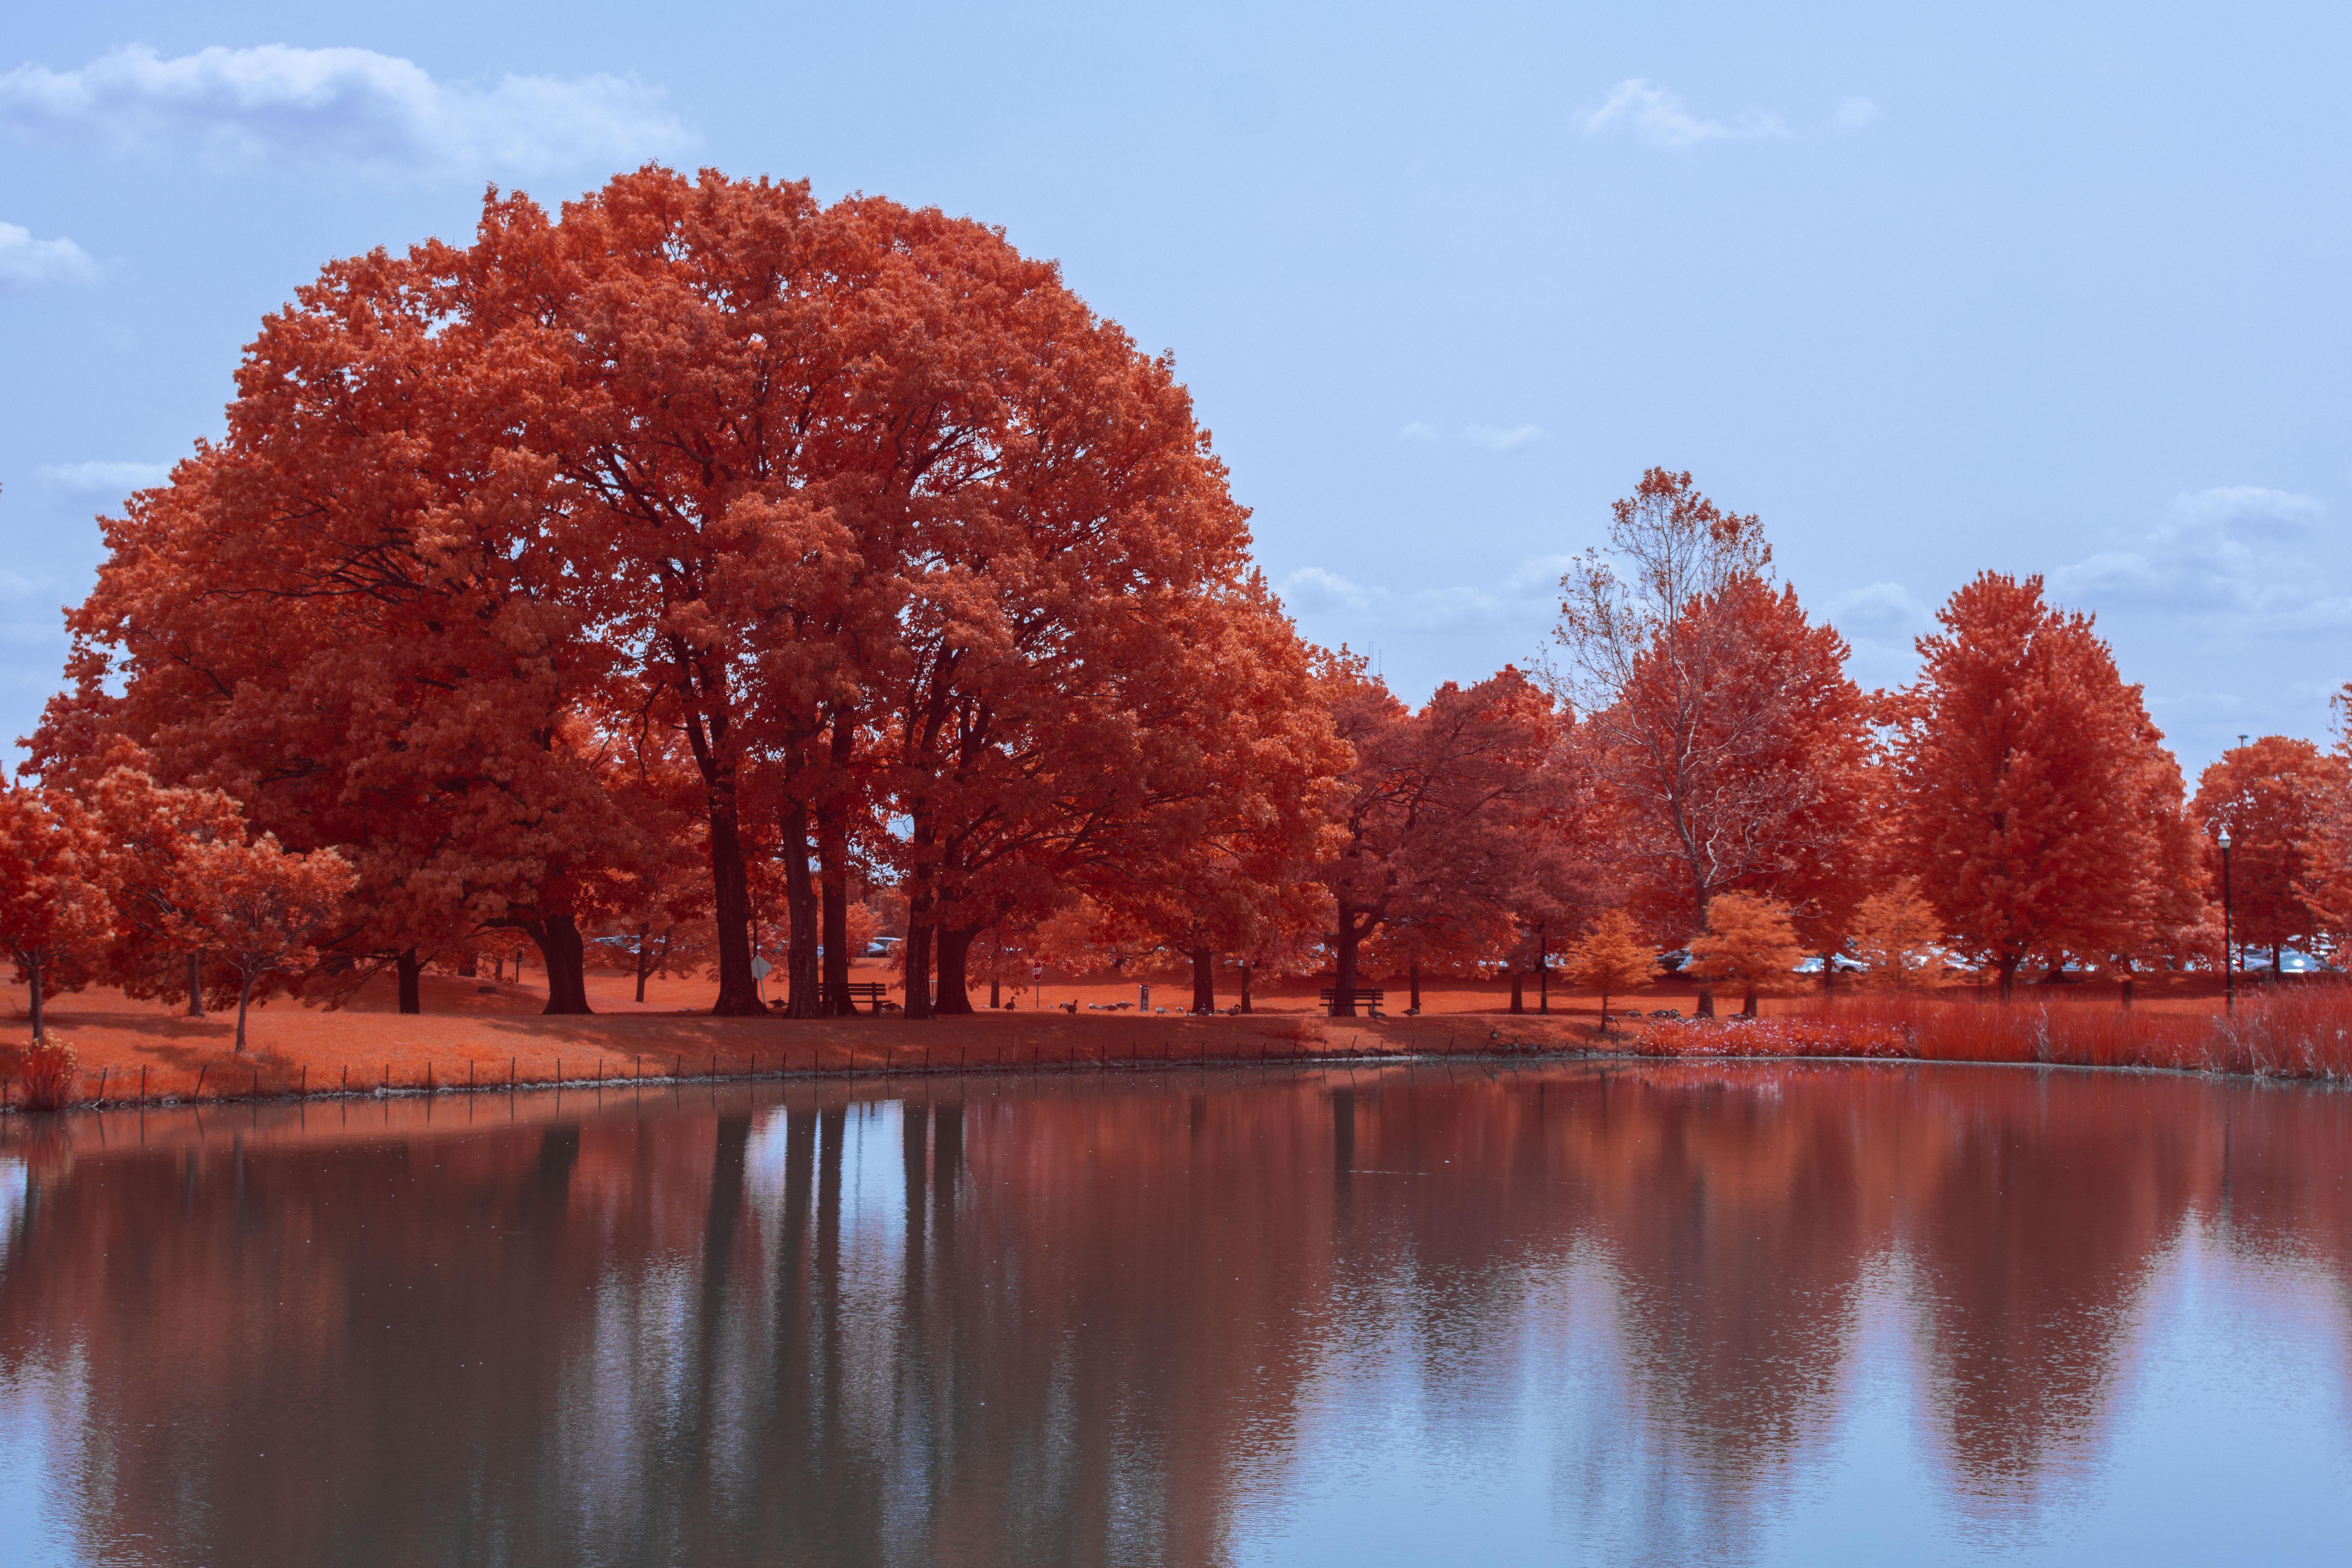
(647, 951)
(2327, 878)
(2036, 805)
(1438, 815)
(1749, 943)
(55, 918)
(261, 909)
(1726, 745)
(1611, 956)
(2272, 797)
(1896, 935)
(1232, 860)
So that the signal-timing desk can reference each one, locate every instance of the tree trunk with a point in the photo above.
(1205, 981)
(560, 949)
(2008, 977)
(195, 984)
(1748, 1008)
(1706, 1005)
(739, 992)
(1343, 982)
(469, 963)
(1829, 972)
(915, 952)
(834, 956)
(243, 1002)
(832, 873)
(644, 970)
(33, 973)
(2277, 967)
(1413, 979)
(954, 953)
(1249, 972)
(804, 997)
(1519, 989)
(410, 970)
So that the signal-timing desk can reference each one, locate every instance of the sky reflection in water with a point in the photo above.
(1673, 1314)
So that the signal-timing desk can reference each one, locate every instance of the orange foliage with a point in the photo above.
(1749, 943)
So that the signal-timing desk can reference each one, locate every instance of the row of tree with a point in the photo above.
(710, 561)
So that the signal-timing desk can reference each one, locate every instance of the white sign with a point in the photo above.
(1036, 971)
(761, 969)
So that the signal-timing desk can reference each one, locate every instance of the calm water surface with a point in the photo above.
(1670, 1315)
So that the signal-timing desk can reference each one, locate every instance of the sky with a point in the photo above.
(1933, 291)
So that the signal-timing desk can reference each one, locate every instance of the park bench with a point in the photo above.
(871, 992)
(1369, 999)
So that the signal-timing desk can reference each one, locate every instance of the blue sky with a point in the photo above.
(1999, 285)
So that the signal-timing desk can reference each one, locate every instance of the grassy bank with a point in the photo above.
(2296, 1032)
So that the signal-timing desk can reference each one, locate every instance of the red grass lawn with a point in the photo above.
(490, 1033)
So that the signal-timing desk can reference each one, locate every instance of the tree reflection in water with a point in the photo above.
(1179, 1319)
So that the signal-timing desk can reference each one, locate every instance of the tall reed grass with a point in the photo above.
(2301, 1031)
(46, 1074)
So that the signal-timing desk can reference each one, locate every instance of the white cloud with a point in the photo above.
(1417, 431)
(2249, 506)
(2236, 553)
(15, 585)
(106, 479)
(1313, 588)
(28, 263)
(1661, 117)
(1495, 440)
(1528, 596)
(346, 106)
(1878, 613)
(1855, 113)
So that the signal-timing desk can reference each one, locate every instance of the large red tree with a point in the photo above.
(1726, 745)
(2035, 803)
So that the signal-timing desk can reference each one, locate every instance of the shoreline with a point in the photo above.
(1132, 1066)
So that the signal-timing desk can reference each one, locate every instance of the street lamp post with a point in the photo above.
(2229, 935)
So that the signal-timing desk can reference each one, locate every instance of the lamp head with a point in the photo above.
(2225, 841)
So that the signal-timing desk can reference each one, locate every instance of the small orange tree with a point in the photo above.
(1749, 943)
(54, 915)
(1610, 957)
(1895, 932)
(259, 909)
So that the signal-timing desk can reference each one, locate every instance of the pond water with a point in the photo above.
(1660, 1314)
